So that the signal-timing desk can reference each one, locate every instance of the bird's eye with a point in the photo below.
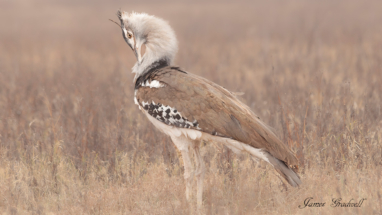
(129, 36)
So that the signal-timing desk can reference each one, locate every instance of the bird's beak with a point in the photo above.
(137, 51)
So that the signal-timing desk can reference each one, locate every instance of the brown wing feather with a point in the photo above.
(217, 110)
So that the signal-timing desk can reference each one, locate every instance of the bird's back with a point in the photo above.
(216, 110)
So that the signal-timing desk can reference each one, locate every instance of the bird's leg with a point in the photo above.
(199, 173)
(183, 145)
(188, 172)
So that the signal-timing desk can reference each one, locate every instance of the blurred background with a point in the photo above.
(73, 142)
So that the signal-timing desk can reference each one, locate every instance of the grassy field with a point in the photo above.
(73, 142)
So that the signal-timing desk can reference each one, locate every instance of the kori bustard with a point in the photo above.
(191, 109)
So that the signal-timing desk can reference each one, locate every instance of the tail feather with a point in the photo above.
(287, 173)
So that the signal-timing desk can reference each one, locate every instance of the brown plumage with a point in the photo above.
(217, 110)
(190, 108)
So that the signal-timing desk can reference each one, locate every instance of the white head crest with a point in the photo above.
(156, 34)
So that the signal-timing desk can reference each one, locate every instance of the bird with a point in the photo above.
(191, 109)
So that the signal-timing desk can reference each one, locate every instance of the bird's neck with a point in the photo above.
(152, 57)
(148, 65)
(139, 80)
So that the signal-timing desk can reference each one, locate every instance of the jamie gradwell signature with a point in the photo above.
(309, 202)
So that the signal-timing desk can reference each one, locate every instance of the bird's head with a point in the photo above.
(140, 29)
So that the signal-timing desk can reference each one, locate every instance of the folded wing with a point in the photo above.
(185, 100)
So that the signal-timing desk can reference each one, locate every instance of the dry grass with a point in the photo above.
(73, 142)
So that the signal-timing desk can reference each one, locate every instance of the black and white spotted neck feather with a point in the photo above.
(151, 72)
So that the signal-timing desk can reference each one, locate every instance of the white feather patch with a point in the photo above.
(152, 84)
